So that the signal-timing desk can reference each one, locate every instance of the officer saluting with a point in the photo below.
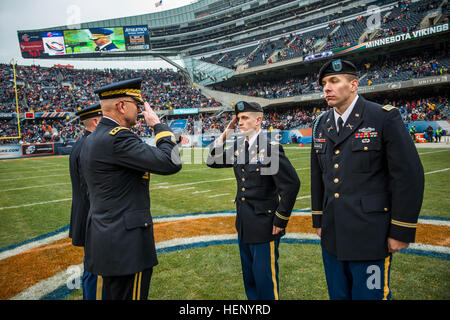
(267, 187)
(116, 165)
(367, 185)
(90, 117)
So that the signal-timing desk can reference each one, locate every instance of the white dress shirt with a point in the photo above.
(346, 114)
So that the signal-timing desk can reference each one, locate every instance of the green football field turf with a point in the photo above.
(35, 199)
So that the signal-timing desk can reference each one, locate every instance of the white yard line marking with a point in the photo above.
(191, 183)
(158, 187)
(37, 186)
(35, 204)
(198, 169)
(160, 183)
(190, 217)
(436, 171)
(303, 197)
(37, 168)
(219, 195)
(186, 189)
(423, 153)
(34, 244)
(297, 158)
(434, 222)
(33, 177)
(44, 287)
(195, 192)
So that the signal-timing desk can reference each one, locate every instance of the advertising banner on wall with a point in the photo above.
(30, 44)
(53, 43)
(136, 38)
(38, 149)
(8, 151)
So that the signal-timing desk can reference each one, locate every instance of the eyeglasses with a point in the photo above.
(137, 104)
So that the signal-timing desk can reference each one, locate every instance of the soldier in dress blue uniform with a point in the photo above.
(101, 37)
(116, 164)
(90, 117)
(267, 187)
(367, 186)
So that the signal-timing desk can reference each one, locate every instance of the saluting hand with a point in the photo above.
(228, 130)
(150, 116)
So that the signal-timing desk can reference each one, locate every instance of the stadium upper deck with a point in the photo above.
(216, 37)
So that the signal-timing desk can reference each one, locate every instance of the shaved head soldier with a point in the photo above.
(267, 187)
(367, 186)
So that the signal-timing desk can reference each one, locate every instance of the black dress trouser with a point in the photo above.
(128, 287)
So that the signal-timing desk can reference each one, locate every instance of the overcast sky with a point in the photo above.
(31, 14)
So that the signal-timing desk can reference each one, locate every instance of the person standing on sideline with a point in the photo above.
(90, 116)
(367, 185)
(412, 132)
(439, 134)
(267, 188)
(116, 164)
(429, 132)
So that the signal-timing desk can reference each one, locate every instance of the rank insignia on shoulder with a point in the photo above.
(388, 107)
(114, 131)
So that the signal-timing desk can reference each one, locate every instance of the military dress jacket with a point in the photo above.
(267, 186)
(367, 182)
(117, 165)
(80, 197)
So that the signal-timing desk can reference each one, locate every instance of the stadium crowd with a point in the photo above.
(65, 90)
(55, 89)
(384, 70)
(60, 130)
(404, 16)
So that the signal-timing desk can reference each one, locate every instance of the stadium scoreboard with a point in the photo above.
(83, 42)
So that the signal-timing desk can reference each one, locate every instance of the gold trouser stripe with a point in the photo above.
(134, 286)
(386, 274)
(272, 265)
(139, 286)
(163, 134)
(98, 294)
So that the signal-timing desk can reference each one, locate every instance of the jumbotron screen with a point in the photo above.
(83, 41)
(95, 39)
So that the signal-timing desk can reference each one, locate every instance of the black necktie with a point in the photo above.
(246, 152)
(340, 124)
